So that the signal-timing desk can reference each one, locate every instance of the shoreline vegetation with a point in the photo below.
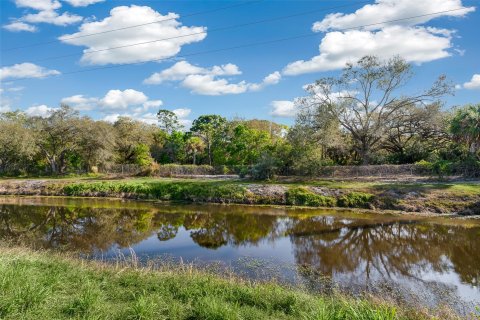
(455, 198)
(47, 285)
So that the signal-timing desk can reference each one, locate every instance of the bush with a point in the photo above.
(265, 168)
(305, 197)
(356, 200)
(437, 167)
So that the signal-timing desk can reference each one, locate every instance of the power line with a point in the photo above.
(135, 26)
(246, 45)
(203, 32)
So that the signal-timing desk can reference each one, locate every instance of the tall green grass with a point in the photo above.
(37, 285)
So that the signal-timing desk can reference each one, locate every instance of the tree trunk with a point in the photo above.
(209, 152)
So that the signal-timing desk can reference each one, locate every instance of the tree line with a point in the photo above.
(364, 116)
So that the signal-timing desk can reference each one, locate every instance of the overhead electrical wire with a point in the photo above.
(136, 25)
(203, 32)
(247, 45)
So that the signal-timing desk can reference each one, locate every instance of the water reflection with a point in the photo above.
(356, 250)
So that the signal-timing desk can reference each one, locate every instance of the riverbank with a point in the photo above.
(45, 285)
(413, 197)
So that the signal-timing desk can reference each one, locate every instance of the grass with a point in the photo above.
(43, 285)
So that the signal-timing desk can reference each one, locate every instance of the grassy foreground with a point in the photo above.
(40, 285)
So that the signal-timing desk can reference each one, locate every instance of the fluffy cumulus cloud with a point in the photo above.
(18, 26)
(40, 5)
(40, 111)
(82, 3)
(407, 38)
(113, 100)
(474, 83)
(388, 10)
(283, 108)
(151, 117)
(180, 70)
(52, 17)
(25, 70)
(47, 12)
(80, 102)
(175, 34)
(208, 81)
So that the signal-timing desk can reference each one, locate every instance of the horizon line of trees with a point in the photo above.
(360, 117)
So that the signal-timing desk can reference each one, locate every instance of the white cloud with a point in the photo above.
(80, 102)
(25, 70)
(206, 81)
(125, 16)
(283, 108)
(15, 89)
(406, 38)
(82, 3)
(273, 78)
(4, 103)
(474, 83)
(151, 117)
(152, 104)
(387, 10)
(46, 14)
(117, 99)
(337, 48)
(52, 17)
(182, 69)
(40, 111)
(40, 5)
(128, 99)
(17, 26)
(209, 85)
(182, 113)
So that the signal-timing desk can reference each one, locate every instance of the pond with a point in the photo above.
(432, 260)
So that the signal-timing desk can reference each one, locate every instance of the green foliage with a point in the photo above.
(265, 168)
(465, 125)
(168, 121)
(356, 200)
(438, 167)
(142, 155)
(304, 197)
(162, 190)
(46, 286)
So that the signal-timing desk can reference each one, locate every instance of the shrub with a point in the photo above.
(437, 167)
(265, 168)
(356, 200)
(305, 197)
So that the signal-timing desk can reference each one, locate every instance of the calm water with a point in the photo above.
(430, 260)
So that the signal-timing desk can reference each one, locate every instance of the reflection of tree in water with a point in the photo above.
(82, 229)
(389, 248)
(330, 245)
(213, 230)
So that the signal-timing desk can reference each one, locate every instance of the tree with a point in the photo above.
(465, 127)
(168, 121)
(365, 98)
(96, 141)
(413, 132)
(57, 136)
(129, 135)
(206, 127)
(245, 145)
(17, 144)
(194, 145)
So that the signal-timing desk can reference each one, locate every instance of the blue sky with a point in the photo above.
(250, 82)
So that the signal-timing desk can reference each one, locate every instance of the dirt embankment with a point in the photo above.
(433, 198)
